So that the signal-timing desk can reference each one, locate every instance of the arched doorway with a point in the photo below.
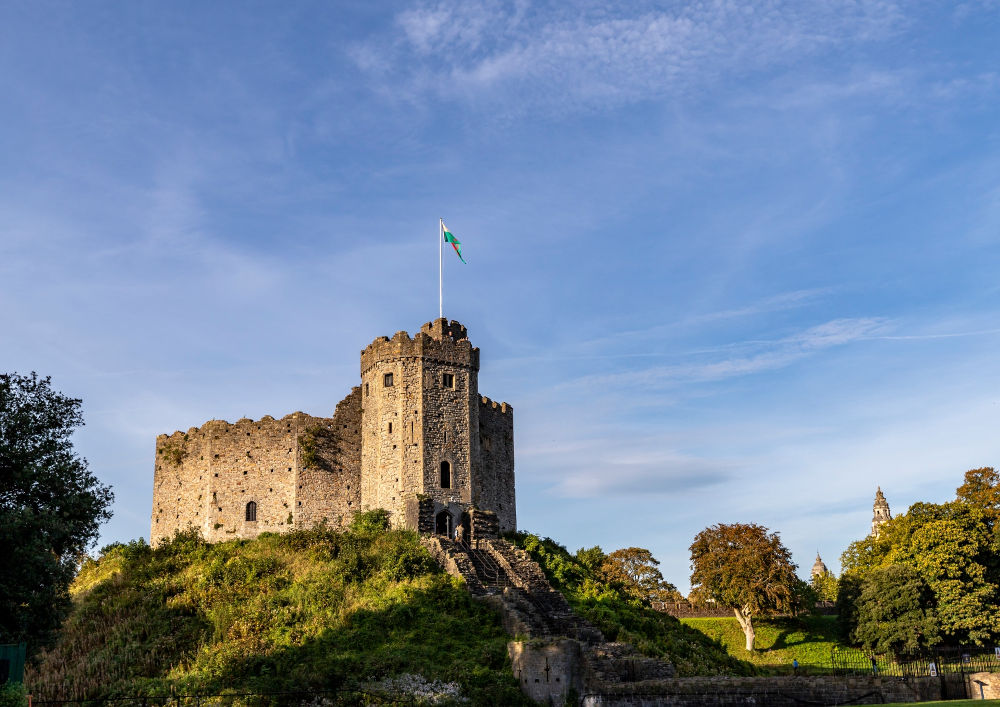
(442, 524)
(466, 523)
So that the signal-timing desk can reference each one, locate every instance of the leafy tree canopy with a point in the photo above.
(50, 506)
(895, 612)
(634, 571)
(825, 586)
(745, 567)
(953, 547)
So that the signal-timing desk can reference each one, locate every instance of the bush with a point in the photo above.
(374, 521)
(12, 694)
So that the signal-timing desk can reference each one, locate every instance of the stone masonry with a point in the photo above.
(415, 438)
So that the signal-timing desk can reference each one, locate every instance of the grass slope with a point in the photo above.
(810, 639)
(306, 610)
(622, 619)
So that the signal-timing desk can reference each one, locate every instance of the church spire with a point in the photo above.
(880, 512)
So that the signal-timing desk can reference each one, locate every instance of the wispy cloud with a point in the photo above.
(742, 358)
(586, 54)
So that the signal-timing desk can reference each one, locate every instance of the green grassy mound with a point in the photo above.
(809, 639)
(620, 618)
(310, 610)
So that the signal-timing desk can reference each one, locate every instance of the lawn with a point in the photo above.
(808, 639)
(950, 703)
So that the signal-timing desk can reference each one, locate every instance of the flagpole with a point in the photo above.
(440, 268)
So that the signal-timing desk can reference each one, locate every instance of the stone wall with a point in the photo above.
(206, 477)
(983, 686)
(329, 488)
(547, 670)
(771, 691)
(494, 487)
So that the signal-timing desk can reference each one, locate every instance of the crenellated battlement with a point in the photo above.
(439, 340)
(441, 329)
(502, 408)
(217, 427)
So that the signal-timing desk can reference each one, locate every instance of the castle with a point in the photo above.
(414, 438)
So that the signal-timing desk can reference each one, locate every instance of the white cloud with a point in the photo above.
(585, 55)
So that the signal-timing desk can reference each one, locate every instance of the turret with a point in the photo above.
(880, 512)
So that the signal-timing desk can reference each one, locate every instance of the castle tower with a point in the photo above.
(819, 568)
(881, 513)
(421, 431)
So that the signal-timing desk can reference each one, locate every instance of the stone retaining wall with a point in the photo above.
(774, 691)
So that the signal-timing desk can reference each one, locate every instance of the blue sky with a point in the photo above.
(729, 261)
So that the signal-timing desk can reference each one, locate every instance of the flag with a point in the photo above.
(455, 243)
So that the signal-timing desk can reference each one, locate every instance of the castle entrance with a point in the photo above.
(466, 527)
(442, 524)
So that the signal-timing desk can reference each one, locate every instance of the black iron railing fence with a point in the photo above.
(941, 661)
(322, 698)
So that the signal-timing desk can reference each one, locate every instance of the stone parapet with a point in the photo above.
(446, 350)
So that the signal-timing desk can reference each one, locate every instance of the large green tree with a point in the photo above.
(744, 567)
(895, 612)
(954, 549)
(51, 506)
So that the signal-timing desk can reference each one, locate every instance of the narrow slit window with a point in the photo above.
(252, 511)
(448, 380)
(445, 475)
(390, 428)
(366, 390)
(387, 380)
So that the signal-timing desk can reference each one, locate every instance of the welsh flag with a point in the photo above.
(455, 243)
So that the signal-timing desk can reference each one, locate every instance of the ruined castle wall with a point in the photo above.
(328, 487)
(494, 483)
(180, 483)
(205, 478)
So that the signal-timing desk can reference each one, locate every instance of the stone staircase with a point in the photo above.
(558, 649)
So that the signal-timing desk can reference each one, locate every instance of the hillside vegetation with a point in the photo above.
(623, 617)
(307, 610)
(311, 610)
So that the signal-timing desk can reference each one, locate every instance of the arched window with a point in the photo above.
(252, 511)
(445, 475)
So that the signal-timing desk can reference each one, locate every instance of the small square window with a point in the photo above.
(448, 380)
(387, 380)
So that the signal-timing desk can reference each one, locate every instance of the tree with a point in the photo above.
(954, 548)
(895, 612)
(744, 567)
(982, 490)
(633, 571)
(50, 506)
(825, 586)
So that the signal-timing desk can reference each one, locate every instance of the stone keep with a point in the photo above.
(415, 438)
